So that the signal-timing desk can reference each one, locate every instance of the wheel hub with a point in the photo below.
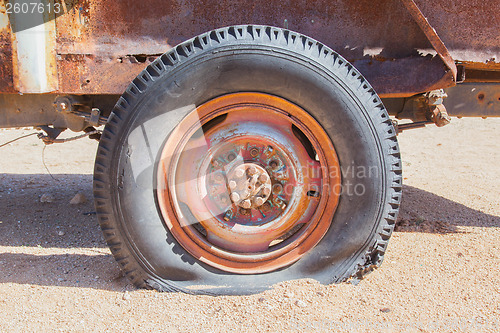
(250, 185)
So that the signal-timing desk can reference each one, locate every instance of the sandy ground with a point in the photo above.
(441, 272)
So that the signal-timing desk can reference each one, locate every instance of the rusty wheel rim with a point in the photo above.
(248, 183)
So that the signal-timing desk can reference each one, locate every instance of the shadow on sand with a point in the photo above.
(36, 235)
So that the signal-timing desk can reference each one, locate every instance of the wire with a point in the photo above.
(45, 165)
(47, 140)
(19, 138)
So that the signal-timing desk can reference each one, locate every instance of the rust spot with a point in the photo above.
(92, 74)
(6, 65)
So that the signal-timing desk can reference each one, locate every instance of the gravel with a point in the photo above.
(47, 198)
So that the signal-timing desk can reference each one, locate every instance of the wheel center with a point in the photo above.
(250, 185)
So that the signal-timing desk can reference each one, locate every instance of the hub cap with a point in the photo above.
(250, 185)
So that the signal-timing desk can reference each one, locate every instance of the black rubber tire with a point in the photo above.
(258, 59)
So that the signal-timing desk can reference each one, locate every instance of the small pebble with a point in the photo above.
(385, 310)
(61, 233)
(126, 296)
(78, 199)
(301, 304)
(47, 198)
(288, 294)
(262, 299)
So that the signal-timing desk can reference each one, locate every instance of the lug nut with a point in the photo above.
(266, 206)
(259, 201)
(245, 192)
(239, 173)
(246, 204)
(218, 178)
(273, 164)
(266, 191)
(252, 170)
(231, 157)
(235, 197)
(277, 188)
(249, 185)
(264, 177)
(254, 152)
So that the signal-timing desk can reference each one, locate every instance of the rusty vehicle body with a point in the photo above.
(66, 66)
(98, 47)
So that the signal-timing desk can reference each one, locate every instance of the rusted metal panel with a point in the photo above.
(91, 74)
(405, 77)
(131, 27)
(473, 100)
(102, 45)
(432, 36)
(470, 29)
(28, 109)
(6, 68)
(38, 109)
(478, 75)
(100, 33)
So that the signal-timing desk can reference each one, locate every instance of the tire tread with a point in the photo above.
(367, 262)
